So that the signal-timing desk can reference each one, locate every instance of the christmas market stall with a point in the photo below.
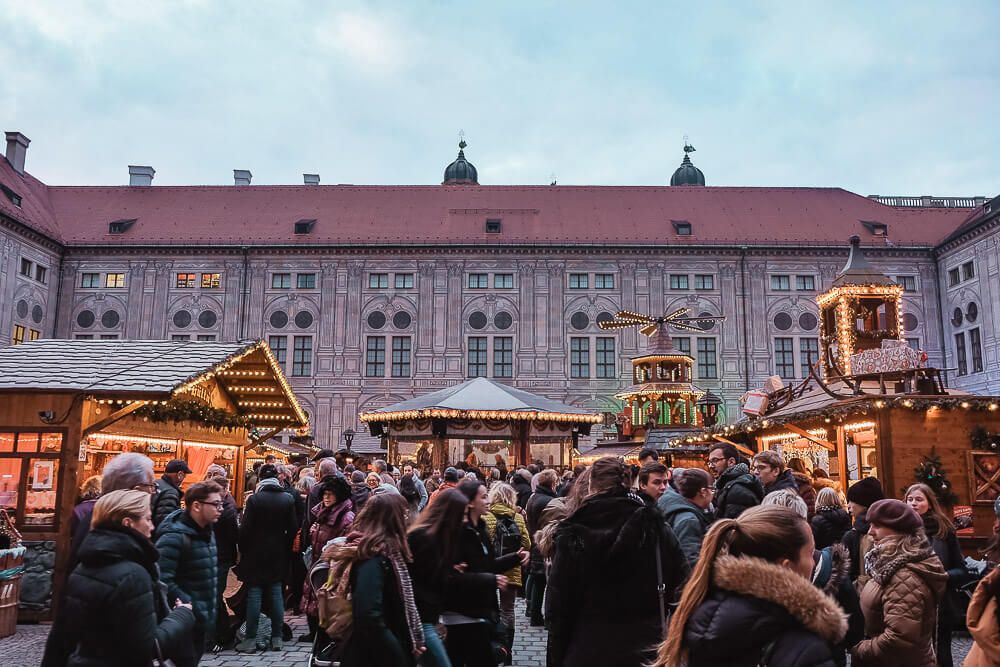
(478, 421)
(871, 407)
(67, 407)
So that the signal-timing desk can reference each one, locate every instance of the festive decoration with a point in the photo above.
(677, 319)
(984, 440)
(410, 415)
(180, 411)
(931, 472)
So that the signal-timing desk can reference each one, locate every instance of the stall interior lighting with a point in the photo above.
(253, 390)
(211, 445)
(261, 404)
(479, 414)
(113, 437)
(859, 426)
(788, 436)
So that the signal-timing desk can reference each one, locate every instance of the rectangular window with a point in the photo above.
(493, 226)
(305, 281)
(302, 356)
(963, 362)
(953, 278)
(703, 281)
(90, 280)
(784, 358)
(18, 336)
(604, 281)
(26, 266)
(375, 357)
(403, 281)
(400, 356)
(41, 274)
(477, 357)
(84, 336)
(114, 280)
(180, 337)
(968, 271)
(34, 334)
(678, 282)
(185, 281)
(206, 337)
(908, 283)
(503, 357)
(378, 280)
(808, 354)
(479, 281)
(805, 283)
(606, 358)
(109, 336)
(279, 346)
(211, 280)
(708, 365)
(503, 280)
(579, 280)
(683, 344)
(281, 281)
(975, 347)
(780, 283)
(579, 357)
(913, 343)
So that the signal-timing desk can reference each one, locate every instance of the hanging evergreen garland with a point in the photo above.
(984, 440)
(193, 411)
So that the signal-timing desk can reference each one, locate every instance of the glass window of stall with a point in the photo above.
(29, 478)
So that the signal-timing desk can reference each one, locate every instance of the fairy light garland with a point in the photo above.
(436, 413)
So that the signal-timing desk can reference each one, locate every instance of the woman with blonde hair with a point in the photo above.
(114, 612)
(831, 520)
(750, 600)
(508, 532)
(940, 531)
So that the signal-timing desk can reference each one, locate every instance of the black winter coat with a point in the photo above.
(166, 500)
(538, 501)
(736, 490)
(523, 488)
(433, 573)
(379, 637)
(188, 561)
(829, 525)
(598, 619)
(949, 551)
(784, 481)
(852, 541)
(759, 613)
(227, 532)
(266, 536)
(360, 493)
(477, 598)
(114, 608)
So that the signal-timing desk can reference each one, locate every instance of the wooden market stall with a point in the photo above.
(68, 406)
(477, 421)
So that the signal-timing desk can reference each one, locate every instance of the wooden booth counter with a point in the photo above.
(67, 407)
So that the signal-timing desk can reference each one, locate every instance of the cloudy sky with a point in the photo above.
(887, 98)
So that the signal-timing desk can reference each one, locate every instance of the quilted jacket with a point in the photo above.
(188, 560)
(983, 623)
(900, 603)
(735, 491)
(490, 518)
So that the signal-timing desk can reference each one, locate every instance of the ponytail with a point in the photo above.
(716, 542)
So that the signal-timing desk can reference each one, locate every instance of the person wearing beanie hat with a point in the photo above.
(907, 584)
(857, 540)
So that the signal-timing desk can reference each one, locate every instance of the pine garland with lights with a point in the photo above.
(182, 411)
(931, 472)
(984, 440)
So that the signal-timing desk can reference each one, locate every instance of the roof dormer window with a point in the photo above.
(304, 226)
(14, 198)
(120, 226)
(493, 226)
(681, 227)
(876, 228)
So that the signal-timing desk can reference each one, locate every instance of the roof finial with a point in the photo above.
(552, 177)
(461, 140)
(688, 148)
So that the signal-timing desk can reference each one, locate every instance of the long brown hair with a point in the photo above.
(769, 532)
(380, 527)
(934, 508)
(608, 473)
(442, 522)
(578, 492)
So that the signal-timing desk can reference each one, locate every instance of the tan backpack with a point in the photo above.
(334, 598)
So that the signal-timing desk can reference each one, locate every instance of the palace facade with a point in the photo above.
(370, 295)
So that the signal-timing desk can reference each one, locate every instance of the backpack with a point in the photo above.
(507, 537)
(334, 599)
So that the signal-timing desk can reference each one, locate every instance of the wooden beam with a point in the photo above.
(810, 437)
(743, 448)
(112, 418)
(267, 436)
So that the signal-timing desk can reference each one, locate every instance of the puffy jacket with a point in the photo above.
(688, 521)
(498, 510)
(984, 626)
(188, 561)
(166, 500)
(227, 532)
(829, 525)
(758, 613)
(610, 532)
(899, 603)
(735, 491)
(114, 608)
(266, 535)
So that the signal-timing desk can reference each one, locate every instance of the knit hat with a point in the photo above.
(895, 515)
(451, 474)
(866, 492)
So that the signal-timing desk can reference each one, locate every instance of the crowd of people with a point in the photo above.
(750, 562)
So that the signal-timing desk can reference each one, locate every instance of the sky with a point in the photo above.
(887, 98)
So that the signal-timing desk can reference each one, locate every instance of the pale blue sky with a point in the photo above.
(888, 98)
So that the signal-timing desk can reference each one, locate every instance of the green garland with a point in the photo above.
(984, 440)
(193, 411)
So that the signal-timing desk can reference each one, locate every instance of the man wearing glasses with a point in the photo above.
(736, 489)
(188, 560)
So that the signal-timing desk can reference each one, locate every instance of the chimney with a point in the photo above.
(242, 176)
(140, 175)
(310, 179)
(17, 148)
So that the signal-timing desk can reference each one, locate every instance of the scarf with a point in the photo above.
(881, 564)
(413, 622)
(270, 481)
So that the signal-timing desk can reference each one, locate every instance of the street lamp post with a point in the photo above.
(347, 453)
(708, 406)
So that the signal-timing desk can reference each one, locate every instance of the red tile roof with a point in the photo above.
(347, 214)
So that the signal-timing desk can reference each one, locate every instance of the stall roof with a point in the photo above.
(150, 368)
(481, 398)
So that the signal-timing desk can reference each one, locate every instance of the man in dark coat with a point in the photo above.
(735, 488)
(168, 490)
(266, 537)
(772, 473)
(860, 497)
(188, 557)
(545, 492)
(227, 535)
(359, 490)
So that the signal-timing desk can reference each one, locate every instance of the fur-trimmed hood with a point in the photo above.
(760, 579)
